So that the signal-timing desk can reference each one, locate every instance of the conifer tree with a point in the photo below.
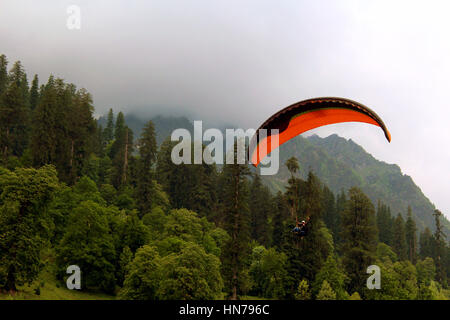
(329, 210)
(14, 114)
(121, 151)
(399, 244)
(145, 184)
(326, 292)
(385, 224)
(341, 204)
(44, 138)
(236, 215)
(3, 74)
(260, 207)
(411, 237)
(439, 237)
(427, 244)
(279, 219)
(109, 129)
(34, 92)
(359, 236)
(292, 193)
(303, 292)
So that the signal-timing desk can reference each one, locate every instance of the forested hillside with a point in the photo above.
(76, 192)
(339, 163)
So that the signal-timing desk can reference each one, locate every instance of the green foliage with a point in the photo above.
(24, 222)
(326, 292)
(303, 292)
(359, 236)
(384, 252)
(260, 207)
(426, 271)
(331, 273)
(88, 243)
(142, 279)
(145, 187)
(190, 274)
(268, 272)
(355, 296)
(411, 237)
(399, 243)
(398, 282)
(234, 200)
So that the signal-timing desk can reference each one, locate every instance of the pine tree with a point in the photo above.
(3, 74)
(326, 292)
(427, 244)
(411, 237)
(109, 129)
(121, 151)
(260, 207)
(14, 114)
(44, 138)
(439, 237)
(329, 210)
(34, 92)
(359, 236)
(236, 216)
(303, 292)
(292, 193)
(399, 244)
(279, 219)
(341, 204)
(145, 184)
(385, 224)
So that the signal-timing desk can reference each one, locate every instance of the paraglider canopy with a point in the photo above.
(306, 115)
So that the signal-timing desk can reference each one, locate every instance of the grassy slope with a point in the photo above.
(50, 288)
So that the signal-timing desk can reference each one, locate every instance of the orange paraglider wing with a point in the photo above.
(306, 115)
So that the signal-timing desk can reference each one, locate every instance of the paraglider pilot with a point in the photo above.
(300, 227)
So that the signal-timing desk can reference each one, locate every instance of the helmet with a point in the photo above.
(303, 221)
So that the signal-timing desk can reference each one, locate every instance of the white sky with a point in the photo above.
(240, 61)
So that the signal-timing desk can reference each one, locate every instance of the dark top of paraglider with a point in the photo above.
(281, 119)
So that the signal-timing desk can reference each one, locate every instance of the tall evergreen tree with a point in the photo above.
(292, 193)
(145, 184)
(121, 151)
(109, 129)
(44, 138)
(279, 219)
(329, 210)
(439, 237)
(341, 205)
(385, 224)
(34, 92)
(236, 215)
(14, 114)
(399, 244)
(260, 208)
(3, 74)
(411, 237)
(427, 244)
(359, 235)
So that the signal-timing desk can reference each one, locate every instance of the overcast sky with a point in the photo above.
(240, 61)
